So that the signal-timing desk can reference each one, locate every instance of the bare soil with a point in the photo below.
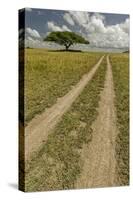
(38, 128)
(99, 168)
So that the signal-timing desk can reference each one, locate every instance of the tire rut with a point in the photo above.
(99, 168)
(38, 129)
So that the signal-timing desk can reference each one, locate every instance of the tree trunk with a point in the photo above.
(67, 46)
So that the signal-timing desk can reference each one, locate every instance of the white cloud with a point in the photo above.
(99, 16)
(125, 26)
(53, 27)
(94, 28)
(110, 36)
(79, 17)
(67, 17)
(65, 28)
(32, 32)
(96, 24)
(30, 39)
(33, 42)
(36, 43)
(28, 9)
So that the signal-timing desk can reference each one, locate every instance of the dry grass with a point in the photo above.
(50, 75)
(120, 65)
(58, 164)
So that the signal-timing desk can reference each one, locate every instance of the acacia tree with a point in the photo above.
(65, 38)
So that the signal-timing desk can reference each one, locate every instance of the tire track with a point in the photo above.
(99, 169)
(38, 129)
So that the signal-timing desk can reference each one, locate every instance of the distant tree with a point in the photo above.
(65, 38)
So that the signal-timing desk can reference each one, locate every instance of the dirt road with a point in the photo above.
(38, 129)
(99, 155)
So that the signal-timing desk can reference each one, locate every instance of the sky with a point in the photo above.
(100, 29)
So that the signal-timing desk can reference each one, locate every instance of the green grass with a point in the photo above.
(50, 75)
(58, 164)
(120, 65)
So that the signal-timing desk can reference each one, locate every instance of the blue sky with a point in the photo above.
(101, 29)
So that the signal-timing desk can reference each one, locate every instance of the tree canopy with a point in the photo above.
(65, 38)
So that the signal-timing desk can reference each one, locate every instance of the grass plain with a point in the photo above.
(50, 75)
(120, 67)
(58, 164)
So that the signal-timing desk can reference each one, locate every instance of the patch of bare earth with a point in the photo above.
(38, 129)
(99, 168)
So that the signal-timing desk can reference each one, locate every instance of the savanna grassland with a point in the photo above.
(57, 165)
(120, 68)
(50, 75)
